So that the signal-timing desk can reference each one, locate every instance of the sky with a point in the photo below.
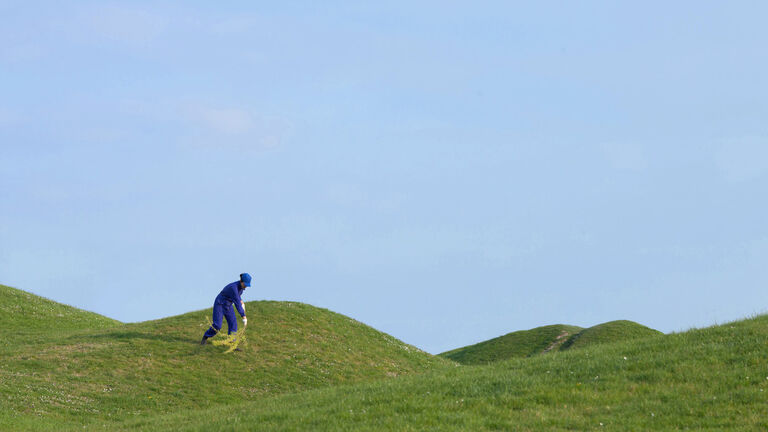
(446, 172)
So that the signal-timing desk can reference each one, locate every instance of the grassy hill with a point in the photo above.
(516, 344)
(710, 379)
(307, 368)
(29, 314)
(541, 340)
(609, 332)
(119, 371)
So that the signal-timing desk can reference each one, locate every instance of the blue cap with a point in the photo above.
(246, 279)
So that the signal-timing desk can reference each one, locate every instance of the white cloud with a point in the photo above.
(229, 121)
(625, 156)
(743, 159)
(237, 127)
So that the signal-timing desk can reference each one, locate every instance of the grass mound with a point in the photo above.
(125, 370)
(23, 314)
(306, 368)
(612, 331)
(516, 344)
(708, 379)
(542, 340)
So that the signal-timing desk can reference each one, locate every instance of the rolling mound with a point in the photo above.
(711, 379)
(612, 331)
(541, 340)
(159, 366)
(522, 343)
(24, 313)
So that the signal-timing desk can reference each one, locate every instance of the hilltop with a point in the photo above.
(24, 313)
(542, 340)
(609, 332)
(120, 370)
(307, 368)
(522, 343)
(708, 379)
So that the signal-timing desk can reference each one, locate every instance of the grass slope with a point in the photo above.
(26, 314)
(516, 344)
(609, 332)
(546, 339)
(710, 379)
(306, 368)
(120, 371)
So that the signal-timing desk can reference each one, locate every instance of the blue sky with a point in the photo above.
(444, 172)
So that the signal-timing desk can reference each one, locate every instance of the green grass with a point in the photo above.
(28, 314)
(115, 371)
(522, 343)
(546, 339)
(711, 379)
(306, 368)
(612, 331)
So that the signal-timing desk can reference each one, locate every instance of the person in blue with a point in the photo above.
(222, 307)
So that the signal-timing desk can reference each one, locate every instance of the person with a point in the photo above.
(222, 307)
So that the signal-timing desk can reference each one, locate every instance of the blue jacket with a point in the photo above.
(231, 294)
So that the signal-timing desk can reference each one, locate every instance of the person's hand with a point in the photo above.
(245, 322)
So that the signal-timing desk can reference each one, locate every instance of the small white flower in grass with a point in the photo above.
(601, 424)
(653, 415)
(625, 357)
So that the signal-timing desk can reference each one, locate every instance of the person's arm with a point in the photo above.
(239, 303)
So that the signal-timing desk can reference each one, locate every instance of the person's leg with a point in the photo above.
(229, 314)
(218, 312)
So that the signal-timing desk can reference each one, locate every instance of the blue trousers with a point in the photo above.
(220, 310)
